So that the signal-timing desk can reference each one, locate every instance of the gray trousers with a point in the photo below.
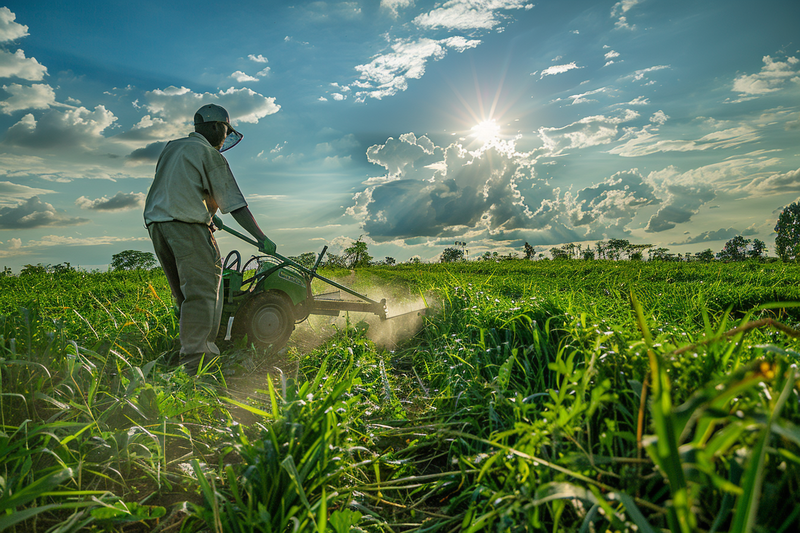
(189, 255)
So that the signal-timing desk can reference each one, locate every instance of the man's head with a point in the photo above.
(214, 123)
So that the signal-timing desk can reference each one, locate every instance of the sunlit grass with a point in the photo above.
(552, 396)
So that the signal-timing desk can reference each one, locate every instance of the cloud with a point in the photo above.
(9, 29)
(394, 6)
(589, 131)
(16, 65)
(612, 203)
(659, 118)
(581, 98)
(406, 155)
(623, 7)
(683, 201)
(644, 142)
(622, 24)
(263, 72)
(470, 15)
(781, 183)
(57, 129)
(257, 58)
(431, 193)
(242, 77)
(387, 73)
(470, 194)
(119, 202)
(723, 234)
(642, 74)
(10, 192)
(558, 69)
(619, 9)
(33, 213)
(150, 129)
(772, 77)
(178, 104)
(36, 96)
(60, 240)
(147, 155)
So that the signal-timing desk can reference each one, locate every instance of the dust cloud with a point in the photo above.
(405, 318)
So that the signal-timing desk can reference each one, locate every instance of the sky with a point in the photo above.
(407, 123)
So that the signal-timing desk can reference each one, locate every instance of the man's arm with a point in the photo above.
(246, 220)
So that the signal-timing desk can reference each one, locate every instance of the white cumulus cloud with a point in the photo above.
(394, 6)
(242, 77)
(9, 29)
(56, 129)
(558, 69)
(468, 15)
(257, 58)
(772, 77)
(407, 60)
(119, 202)
(16, 65)
(178, 104)
(36, 96)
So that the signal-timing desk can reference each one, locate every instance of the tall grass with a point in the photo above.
(575, 396)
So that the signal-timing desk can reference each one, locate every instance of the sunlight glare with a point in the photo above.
(486, 131)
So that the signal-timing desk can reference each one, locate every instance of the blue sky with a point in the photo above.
(411, 123)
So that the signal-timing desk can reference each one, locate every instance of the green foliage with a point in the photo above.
(451, 255)
(735, 249)
(787, 240)
(539, 395)
(306, 259)
(356, 256)
(133, 260)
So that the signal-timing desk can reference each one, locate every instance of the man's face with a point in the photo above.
(224, 134)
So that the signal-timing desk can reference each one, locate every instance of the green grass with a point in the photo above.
(546, 396)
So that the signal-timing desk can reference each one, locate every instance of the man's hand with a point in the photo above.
(267, 246)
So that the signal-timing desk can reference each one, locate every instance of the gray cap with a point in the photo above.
(212, 113)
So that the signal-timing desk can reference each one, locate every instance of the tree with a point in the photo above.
(306, 259)
(659, 254)
(559, 253)
(334, 260)
(61, 268)
(757, 249)
(389, 261)
(706, 256)
(735, 249)
(32, 270)
(357, 255)
(133, 260)
(616, 247)
(451, 255)
(529, 251)
(787, 242)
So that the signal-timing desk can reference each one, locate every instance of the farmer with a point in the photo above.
(192, 181)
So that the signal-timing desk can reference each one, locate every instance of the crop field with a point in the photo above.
(534, 396)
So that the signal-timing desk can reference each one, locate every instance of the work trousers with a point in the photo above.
(190, 257)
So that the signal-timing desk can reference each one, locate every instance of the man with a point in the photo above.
(192, 181)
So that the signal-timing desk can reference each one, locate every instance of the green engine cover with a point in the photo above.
(285, 280)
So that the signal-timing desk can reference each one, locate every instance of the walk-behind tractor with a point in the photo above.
(266, 296)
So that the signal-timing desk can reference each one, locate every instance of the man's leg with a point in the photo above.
(199, 271)
(167, 260)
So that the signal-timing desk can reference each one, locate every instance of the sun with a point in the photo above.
(486, 131)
